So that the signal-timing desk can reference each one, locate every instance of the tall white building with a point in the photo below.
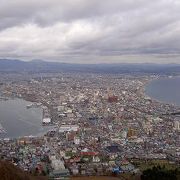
(177, 125)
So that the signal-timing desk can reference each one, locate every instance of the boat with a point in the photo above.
(29, 106)
(33, 105)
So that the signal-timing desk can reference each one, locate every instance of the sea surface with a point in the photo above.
(166, 90)
(19, 121)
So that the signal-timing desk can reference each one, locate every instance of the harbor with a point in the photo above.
(17, 120)
(3, 98)
(34, 105)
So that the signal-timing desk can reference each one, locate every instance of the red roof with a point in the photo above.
(89, 153)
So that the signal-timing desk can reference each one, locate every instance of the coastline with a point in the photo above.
(154, 99)
(143, 91)
(41, 131)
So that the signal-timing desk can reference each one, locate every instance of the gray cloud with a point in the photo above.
(86, 31)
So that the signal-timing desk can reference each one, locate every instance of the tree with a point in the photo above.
(159, 173)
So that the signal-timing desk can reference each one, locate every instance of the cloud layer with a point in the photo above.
(83, 31)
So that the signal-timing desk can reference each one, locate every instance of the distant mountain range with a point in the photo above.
(39, 66)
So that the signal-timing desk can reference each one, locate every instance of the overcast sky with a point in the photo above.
(91, 31)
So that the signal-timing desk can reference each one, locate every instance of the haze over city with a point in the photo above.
(83, 31)
(89, 89)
